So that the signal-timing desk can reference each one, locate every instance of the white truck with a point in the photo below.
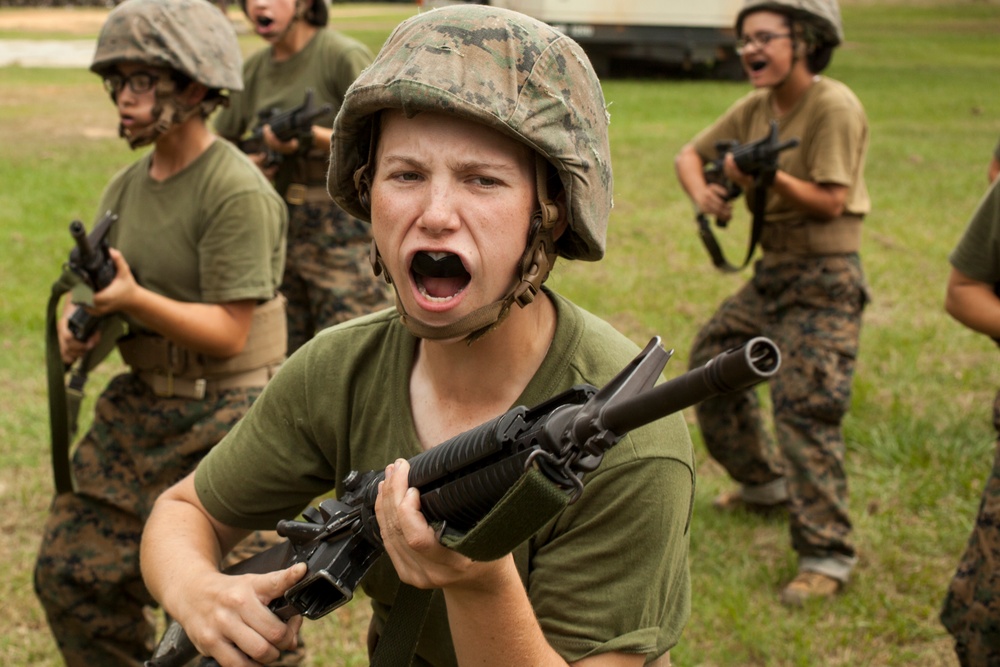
(688, 34)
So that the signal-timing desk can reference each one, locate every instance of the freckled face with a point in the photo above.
(451, 204)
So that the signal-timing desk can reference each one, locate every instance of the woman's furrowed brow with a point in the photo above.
(458, 166)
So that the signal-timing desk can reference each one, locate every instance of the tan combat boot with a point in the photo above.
(809, 586)
(733, 501)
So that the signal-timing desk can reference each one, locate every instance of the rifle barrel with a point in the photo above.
(79, 234)
(730, 371)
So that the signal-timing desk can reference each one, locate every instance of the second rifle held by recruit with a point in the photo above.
(295, 123)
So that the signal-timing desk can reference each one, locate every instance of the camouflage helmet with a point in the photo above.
(190, 36)
(822, 15)
(501, 68)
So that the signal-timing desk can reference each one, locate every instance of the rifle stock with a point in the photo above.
(462, 479)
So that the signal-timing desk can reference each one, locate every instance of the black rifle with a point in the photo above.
(296, 123)
(758, 159)
(91, 261)
(462, 479)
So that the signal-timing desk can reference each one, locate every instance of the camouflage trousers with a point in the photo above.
(87, 572)
(971, 611)
(328, 277)
(811, 308)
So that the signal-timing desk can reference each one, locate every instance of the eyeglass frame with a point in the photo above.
(760, 40)
(115, 83)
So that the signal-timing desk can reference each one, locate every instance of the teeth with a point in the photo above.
(437, 255)
(436, 299)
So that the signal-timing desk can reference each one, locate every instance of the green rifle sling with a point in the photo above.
(710, 243)
(64, 403)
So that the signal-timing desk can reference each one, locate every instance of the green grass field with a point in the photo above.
(919, 438)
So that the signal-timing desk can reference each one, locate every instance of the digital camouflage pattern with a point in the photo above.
(190, 36)
(811, 308)
(500, 68)
(971, 611)
(328, 276)
(824, 15)
(87, 574)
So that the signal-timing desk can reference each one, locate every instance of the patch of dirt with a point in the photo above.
(84, 21)
(87, 21)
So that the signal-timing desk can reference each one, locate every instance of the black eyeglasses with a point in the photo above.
(760, 40)
(137, 82)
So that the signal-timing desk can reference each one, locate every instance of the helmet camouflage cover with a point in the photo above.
(503, 69)
(189, 36)
(823, 15)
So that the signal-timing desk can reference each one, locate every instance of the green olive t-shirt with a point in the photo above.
(328, 65)
(212, 233)
(977, 254)
(609, 573)
(830, 124)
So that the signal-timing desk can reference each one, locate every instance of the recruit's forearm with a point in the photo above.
(181, 542)
(216, 329)
(690, 171)
(821, 200)
(493, 624)
(973, 303)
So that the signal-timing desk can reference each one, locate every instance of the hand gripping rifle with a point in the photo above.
(758, 159)
(296, 123)
(461, 480)
(91, 261)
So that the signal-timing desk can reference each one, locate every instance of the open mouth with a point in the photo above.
(758, 65)
(264, 21)
(439, 276)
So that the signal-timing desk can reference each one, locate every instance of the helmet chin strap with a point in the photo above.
(795, 53)
(536, 262)
(167, 111)
(301, 9)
